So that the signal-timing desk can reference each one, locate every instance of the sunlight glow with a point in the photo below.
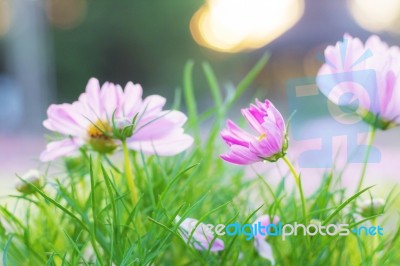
(236, 25)
(376, 15)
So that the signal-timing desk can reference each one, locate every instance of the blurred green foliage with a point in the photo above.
(147, 42)
(144, 41)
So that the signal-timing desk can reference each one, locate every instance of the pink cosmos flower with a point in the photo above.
(89, 121)
(370, 72)
(260, 244)
(202, 236)
(268, 142)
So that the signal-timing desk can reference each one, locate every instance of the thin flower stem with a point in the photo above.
(374, 244)
(371, 138)
(299, 186)
(129, 175)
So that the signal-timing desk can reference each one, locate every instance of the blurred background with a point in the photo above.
(50, 48)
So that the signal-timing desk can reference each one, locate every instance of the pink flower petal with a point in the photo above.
(260, 244)
(173, 143)
(93, 96)
(271, 144)
(64, 119)
(273, 114)
(231, 139)
(152, 105)
(202, 237)
(57, 149)
(252, 120)
(240, 155)
(264, 250)
(238, 132)
(159, 126)
(132, 99)
(375, 57)
(157, 132)
(265, 220)
(111, 98)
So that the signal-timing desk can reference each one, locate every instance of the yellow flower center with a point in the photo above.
(261, 137)
(98, 138)
(97, 130)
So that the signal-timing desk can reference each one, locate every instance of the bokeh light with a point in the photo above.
(5, 17)
(376, 15)
(65, 14)
(236, 25)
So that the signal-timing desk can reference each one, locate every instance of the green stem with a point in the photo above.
(374, 244)
(299, 186)
(129, 175)
(93, 229)
(371, 138)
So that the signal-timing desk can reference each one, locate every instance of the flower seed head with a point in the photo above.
(32, 177)
(372, 207)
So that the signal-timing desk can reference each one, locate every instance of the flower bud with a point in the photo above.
(372, 207)
(123, 128)
(32, 177)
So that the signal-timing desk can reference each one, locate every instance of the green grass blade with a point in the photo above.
(344, 204)
(5, 250)
(190, 99)
(247, 80)
(163, 194)
(115, 230)
(76, 248)
(227, 251)
(213, 84)
(59, 206)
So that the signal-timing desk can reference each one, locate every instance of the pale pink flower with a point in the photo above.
(202, 236)
(88, 122)
(370, 72)
(263, 248)
(268, 142)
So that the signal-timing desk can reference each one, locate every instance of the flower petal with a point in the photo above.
(252, 120)
(173, 143)
(233, 134)
(272, 114)
(57, 149)
(265, 220)
(93, 96)
(111, 98)
(264, 250)
(369, 72)
(202, 236)
(240, 155)
(271, 144)
(132, 99)
(64, 119)
(152, 105)
(159, 126)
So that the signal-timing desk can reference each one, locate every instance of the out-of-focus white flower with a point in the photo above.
(260, 244)
(202, 237)
(32, 177)
(372, 207)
